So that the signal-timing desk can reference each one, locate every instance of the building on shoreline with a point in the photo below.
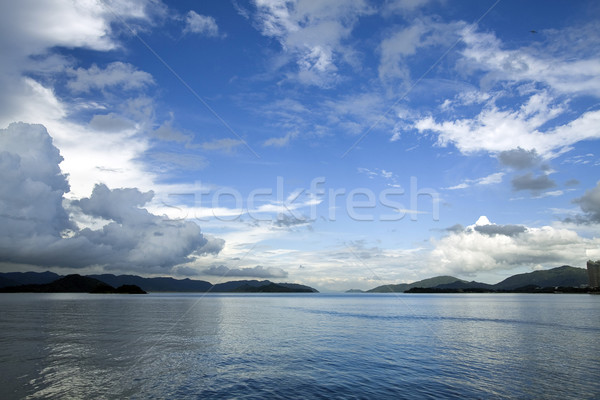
(593, 268)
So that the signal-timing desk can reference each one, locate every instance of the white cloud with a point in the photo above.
(463, 185)
(553, 193)
(201, 24)
(396, 49)
(389, 176)
(312, 33)
(54, 23)
(476, 249)
(563, 74)
(486, 180)
(404, 6)
(495, 130)
(167, 132)
(356, 113)
(29, 101)
(547, 78)
(281, 141)
(105, 150)
(119, 74)
(490, 179)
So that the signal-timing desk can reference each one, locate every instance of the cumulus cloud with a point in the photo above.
(485, 247)
(201, 24)
(32, 185)
(532, 183)
(40, 231)
(119, 205)
(213, 245)
(256, 272)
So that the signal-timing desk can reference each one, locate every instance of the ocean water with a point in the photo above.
(302, 346)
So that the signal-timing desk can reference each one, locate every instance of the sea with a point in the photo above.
(299, 346)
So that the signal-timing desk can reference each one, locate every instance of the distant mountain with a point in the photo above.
(462, 285)
(156, 284)
(27, 278)
(11, 280)
(252, 286)
(565, 276)
(354, 291)
(425, 283)
(298, 288)
(68, 284)
(73, 284)
(232, 286)
(273, 288)
(5, 282)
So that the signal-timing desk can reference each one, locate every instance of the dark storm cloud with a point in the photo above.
(37, 229)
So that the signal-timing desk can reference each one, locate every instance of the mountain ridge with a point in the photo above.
(156, 284)
(563, 276)
(73, 283)
(429, 282)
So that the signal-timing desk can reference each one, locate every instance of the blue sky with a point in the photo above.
(339, 144)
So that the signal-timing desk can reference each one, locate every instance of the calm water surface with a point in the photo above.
(57, 346)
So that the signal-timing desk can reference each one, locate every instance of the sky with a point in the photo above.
(338, 144)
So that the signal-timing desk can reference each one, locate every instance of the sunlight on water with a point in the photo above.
(299, 346)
